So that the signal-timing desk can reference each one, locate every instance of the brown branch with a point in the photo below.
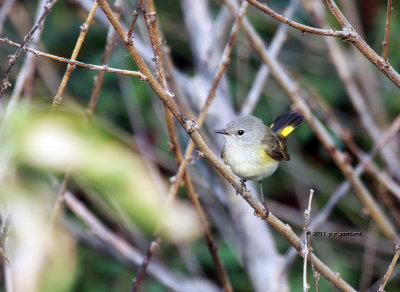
(385, 42)
(84, 29)
(134, 18)
(98, 80)
(390, 268)
(361, 45)
(279, 38)
(154, 39)
(190, 128)
(212, 246)
(154, 246)
(24, 79)
(39, 25)
(348, 34)
(304, 28)
(104, 68)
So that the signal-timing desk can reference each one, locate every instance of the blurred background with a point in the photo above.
(83, 187)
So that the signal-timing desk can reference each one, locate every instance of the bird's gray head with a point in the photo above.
(244, 131)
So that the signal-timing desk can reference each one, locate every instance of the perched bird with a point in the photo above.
(253, 150)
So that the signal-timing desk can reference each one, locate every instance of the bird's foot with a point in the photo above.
(266, 212)
(244, 188)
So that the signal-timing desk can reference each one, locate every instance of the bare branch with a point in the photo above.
(98, 80)
(39, 25)
(385, 42)
(304, 28)
(361, 45)
(84, 29)
(390, 268)
(279, 38)
(77, 63)
(134, 18)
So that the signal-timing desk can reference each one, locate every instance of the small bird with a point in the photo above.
(253, 150)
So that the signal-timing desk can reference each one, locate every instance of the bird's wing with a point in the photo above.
(275, 146)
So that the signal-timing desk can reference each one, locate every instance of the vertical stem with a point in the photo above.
(84, 29)
(385, 42)
(390, 268)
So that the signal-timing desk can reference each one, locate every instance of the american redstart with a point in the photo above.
(253, 150)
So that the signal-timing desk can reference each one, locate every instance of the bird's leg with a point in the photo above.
(263, 201)
(243, 183)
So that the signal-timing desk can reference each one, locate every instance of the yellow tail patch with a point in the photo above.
(286, 130)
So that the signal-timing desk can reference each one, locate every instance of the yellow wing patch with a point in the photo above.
(286, 130)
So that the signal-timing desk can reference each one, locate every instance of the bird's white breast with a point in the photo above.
(249, 162)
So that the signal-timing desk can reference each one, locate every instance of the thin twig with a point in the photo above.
(84, 29)
(385, 42)
(98, 80)
(304, 28)
(154, 245)
(279, 38)
(134, 18)
(390, 268)
(39, 25)
(77, 63)
(154, 39)
(27, 69)
(361, 45)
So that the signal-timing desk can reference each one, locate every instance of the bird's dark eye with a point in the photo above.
(240, 132)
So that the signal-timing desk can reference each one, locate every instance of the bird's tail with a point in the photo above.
(285, 123)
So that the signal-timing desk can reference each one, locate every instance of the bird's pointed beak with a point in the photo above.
(223, 132)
